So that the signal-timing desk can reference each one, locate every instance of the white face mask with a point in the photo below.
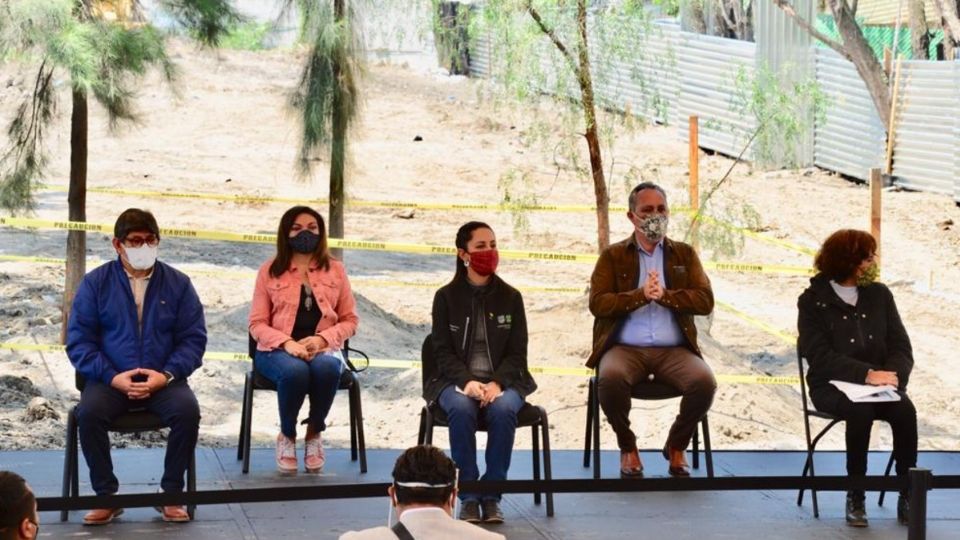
(143, 257)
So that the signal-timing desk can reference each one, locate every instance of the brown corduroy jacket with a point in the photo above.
(616, 290)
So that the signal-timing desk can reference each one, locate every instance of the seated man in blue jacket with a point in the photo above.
(136, 333)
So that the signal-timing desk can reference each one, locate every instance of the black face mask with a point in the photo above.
(304, 242)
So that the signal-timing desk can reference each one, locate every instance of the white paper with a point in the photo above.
(864, 393)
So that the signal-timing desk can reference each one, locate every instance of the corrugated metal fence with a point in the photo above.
(850, 138)
(674, 74)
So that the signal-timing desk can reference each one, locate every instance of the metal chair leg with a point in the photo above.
(696, 448)
(361, 442)
(586, 435)
(547, 468)
(247, 426)
(192, 483)
(69, 459)
(535, 439)
(596, 429)
(885, 474)
(707, 449)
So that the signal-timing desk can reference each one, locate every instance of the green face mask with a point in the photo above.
(869, 275)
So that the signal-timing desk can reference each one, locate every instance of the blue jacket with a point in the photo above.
(103, 338)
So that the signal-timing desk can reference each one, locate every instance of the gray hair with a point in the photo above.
(632, 199)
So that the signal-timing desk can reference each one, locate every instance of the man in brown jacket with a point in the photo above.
(644, 293)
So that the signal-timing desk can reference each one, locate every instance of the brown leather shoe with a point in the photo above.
(678, 462)
(175, 514)
(630, 464)
(101, 516)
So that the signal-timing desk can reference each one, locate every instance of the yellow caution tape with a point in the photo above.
(259, 199)
(397, 247)
(413, 364)
(786, 338)
(241, 198)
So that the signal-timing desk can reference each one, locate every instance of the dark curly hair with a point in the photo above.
(429, 465)
(842, 252)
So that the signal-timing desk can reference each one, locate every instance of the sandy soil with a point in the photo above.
(229, 132)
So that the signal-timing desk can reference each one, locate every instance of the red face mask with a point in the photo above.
(484, 262)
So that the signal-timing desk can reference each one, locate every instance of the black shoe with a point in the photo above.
(491, 511)
(856, 512)
(470, 511)
(903, 510)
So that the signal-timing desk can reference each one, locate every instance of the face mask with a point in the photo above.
(869, 275)
(141, 258)
(304, 242)
(654, 227)
(484, 262)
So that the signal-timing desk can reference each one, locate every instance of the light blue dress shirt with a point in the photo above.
(651, 325)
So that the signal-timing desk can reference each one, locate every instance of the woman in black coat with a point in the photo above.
(480, 350)
(850, 331)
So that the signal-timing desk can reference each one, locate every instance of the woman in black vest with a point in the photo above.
(480, 349)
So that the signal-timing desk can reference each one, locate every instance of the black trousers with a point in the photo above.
(859, 417)
(101, 404)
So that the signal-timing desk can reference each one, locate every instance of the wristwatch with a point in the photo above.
(169, 377)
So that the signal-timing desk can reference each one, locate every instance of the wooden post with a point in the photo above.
(876, 187)
(694, 177)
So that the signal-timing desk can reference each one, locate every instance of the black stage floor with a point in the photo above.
(655, 515)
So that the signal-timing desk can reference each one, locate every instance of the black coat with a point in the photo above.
(453, 308)
(842, 342)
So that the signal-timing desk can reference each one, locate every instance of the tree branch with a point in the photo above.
(788, 9)
(553, 37)
(950, 18)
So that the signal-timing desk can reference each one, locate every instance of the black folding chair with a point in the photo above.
(133, 421)
(646, 390)
(832, 420)
(348, 381)
(531, 416)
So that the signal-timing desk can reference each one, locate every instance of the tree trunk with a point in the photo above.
(77, 203)
(919, 34)
(338, 148)
(593, 140)
(860, 53)
(950, 14)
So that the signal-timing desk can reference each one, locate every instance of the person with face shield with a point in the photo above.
(136, 333)
(850, 330)
(479, 338)
(302, 312)
(18, 509)
(423, 494)
(644, 292)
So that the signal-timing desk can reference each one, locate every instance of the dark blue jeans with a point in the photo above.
(296, 379)
(101, 404)
(500, 418)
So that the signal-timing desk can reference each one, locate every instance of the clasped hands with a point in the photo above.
(306, 348)
(139, 383)
(485, 393)
(651, 287)
(880, 378)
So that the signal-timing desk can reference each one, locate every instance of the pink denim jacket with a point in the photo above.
(275, 302)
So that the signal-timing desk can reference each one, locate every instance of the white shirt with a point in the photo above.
(847, 294)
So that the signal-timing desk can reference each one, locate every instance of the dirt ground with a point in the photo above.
(230, 133)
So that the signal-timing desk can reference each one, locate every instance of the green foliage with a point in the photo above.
(105, 60)
(247, 36)
(516, 186)
(784, 112)
(208, 20)
(327, 89)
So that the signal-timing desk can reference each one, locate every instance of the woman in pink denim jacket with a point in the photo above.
(302, 313)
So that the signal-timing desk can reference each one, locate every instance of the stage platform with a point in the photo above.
(662, 515)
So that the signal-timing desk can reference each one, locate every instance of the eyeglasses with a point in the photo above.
(137, 241)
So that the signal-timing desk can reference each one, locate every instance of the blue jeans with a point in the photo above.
(101, 404)
(296, 379)
(500, 418)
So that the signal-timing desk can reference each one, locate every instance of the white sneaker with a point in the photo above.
(286, 455)
(314, 456)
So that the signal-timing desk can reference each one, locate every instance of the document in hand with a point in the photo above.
(866, 392)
